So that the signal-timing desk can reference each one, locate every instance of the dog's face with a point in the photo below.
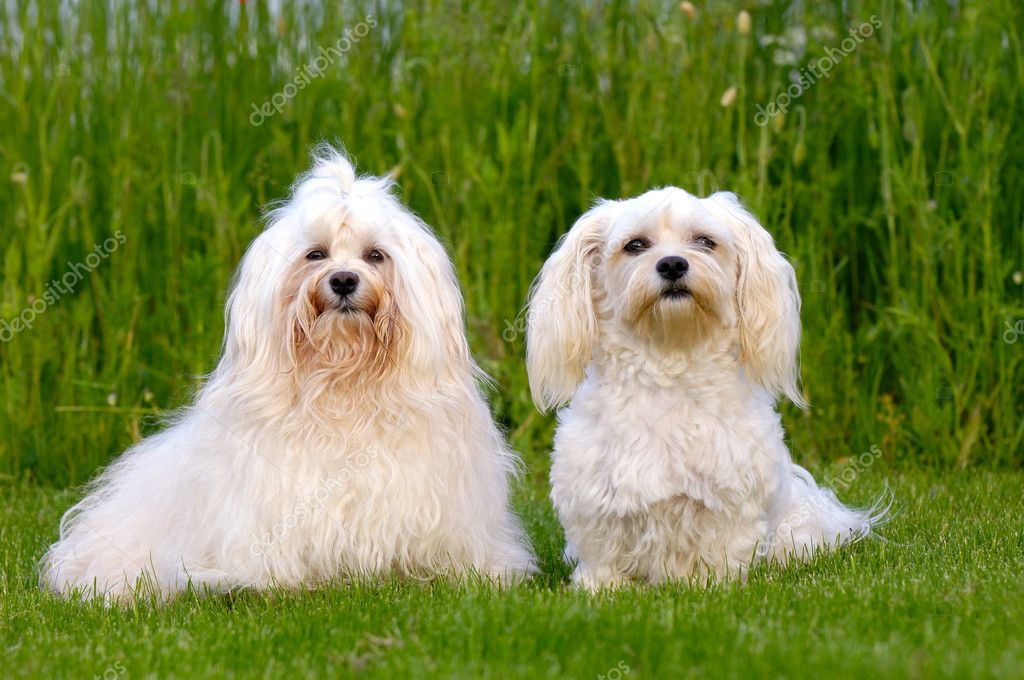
(345, 283)
(667, 271)
(671, 271)
(341, 293)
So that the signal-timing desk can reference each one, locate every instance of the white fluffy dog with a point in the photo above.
(672, 324)
(343, 432)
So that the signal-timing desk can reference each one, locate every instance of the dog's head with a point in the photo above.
(670, 270)
(345, 283)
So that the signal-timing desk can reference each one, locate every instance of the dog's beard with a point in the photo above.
(677, 315)
(352, 342)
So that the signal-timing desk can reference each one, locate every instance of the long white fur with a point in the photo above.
(324, 445)
(669, 461)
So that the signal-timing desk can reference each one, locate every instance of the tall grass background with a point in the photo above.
(896, 186)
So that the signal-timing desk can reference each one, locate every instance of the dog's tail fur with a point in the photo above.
(810, 518)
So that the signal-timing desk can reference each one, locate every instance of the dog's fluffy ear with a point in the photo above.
(252, 325)
(429, 300)
(562, 321)
(767, 300)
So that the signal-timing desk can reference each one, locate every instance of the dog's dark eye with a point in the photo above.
(375, 256)
(637, 245)
(705, 242)
(315, 255)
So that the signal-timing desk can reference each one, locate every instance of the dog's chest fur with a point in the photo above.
(661, 467)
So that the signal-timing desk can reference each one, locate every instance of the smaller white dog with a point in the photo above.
(681, 321)
(343, 432)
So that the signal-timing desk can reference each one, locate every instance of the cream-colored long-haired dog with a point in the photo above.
(342, 433)
(671, 324)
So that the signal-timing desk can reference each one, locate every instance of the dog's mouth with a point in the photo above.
(676, 293)
(348, 309)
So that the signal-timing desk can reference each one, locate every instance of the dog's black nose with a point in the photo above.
(344, 283)
(672, 268)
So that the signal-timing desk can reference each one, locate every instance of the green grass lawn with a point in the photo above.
(893, 185)
(941, 595)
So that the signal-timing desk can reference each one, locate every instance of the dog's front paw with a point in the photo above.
(505, 577)
(597, 578)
